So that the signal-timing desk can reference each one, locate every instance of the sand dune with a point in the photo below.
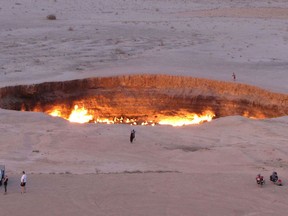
(81, 169)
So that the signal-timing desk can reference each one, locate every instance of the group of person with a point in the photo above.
(4, 181)
(273, 178)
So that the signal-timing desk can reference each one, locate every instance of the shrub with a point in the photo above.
(51, 17)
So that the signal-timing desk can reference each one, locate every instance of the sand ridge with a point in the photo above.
(271, 13)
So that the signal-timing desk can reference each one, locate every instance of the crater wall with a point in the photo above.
(146, 96)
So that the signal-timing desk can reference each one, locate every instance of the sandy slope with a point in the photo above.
(167, 171)
(51, 145)
(195, 170)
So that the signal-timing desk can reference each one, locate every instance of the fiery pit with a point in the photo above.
(144, 100)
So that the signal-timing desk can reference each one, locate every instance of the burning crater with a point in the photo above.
(144, 100)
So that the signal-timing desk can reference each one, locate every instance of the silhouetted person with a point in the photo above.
(5, 182)
(274, 177)
(234, 76)
(132, 135)
(1, 177)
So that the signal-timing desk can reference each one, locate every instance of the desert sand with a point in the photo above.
(93, 169)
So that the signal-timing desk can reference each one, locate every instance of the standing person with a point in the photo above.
(23, 182)
(132, 135)
(0, 177)
(5, 182)
(234, 76)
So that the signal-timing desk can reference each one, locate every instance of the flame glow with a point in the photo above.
(82, 115)
(255, 116)
(189, 119)
(55, 113)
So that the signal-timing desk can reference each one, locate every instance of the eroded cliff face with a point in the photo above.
(146, 97)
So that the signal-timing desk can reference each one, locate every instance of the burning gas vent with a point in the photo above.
(144, 100)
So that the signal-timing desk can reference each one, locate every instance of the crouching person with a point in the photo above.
(274, 177)
(260, 180)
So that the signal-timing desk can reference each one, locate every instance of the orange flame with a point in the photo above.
(81, 115)
(188, 119)
(255, 116)
(55, 113)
